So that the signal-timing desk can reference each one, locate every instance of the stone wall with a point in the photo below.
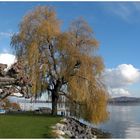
(72, 128)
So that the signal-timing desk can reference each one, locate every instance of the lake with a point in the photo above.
(124, 121)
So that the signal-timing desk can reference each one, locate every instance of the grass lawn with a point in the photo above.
(27, 126)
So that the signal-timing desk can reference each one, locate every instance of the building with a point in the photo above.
(27, 105)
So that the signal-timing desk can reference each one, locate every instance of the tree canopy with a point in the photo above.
(62, 62)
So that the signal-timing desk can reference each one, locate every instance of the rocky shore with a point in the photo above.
(71, 128)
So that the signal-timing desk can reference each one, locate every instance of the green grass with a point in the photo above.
(27, 126)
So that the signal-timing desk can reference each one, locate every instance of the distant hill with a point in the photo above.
(124, 99)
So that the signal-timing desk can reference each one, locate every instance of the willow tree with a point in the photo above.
(62, 63)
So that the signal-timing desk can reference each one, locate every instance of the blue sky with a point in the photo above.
(116, 25)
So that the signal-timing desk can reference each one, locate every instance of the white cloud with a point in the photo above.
(117, 79)
(6, 34)
(115, 92)
(6, 58)
(122, 75)
(121, 10)
(124, 10)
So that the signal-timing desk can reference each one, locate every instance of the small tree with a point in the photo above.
(62, 63)
(7, 105)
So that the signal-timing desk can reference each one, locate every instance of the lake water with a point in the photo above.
(124, 121)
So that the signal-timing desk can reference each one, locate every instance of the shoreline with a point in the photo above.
(72, 128)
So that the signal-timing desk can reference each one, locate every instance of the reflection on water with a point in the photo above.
(124, 121)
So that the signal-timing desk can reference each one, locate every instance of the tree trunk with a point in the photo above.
(55, 96)
(54, 103)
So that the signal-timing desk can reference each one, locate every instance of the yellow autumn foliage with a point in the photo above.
(68, 59)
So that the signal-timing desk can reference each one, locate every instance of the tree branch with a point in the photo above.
(62, 93)
(52, 56)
